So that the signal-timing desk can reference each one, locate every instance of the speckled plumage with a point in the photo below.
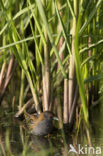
(43, 124)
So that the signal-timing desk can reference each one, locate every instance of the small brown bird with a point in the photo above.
(42, 124)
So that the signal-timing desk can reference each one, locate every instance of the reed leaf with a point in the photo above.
(79, 73)
(90, 17)
(42, 13)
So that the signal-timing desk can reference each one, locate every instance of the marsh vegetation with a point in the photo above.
(51, 58)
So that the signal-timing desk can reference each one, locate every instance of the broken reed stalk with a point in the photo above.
(25, 107)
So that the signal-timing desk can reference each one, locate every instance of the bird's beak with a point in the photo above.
(55, 118)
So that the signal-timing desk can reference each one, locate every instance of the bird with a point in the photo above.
(41, 124)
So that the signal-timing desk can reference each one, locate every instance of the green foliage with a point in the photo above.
(23, 28)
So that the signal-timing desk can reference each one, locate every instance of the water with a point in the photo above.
(15, 139)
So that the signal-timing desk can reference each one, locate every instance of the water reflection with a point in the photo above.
(15, 139)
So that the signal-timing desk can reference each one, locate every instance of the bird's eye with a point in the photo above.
(50, 116)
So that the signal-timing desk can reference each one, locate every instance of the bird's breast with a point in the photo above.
(43, 128)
